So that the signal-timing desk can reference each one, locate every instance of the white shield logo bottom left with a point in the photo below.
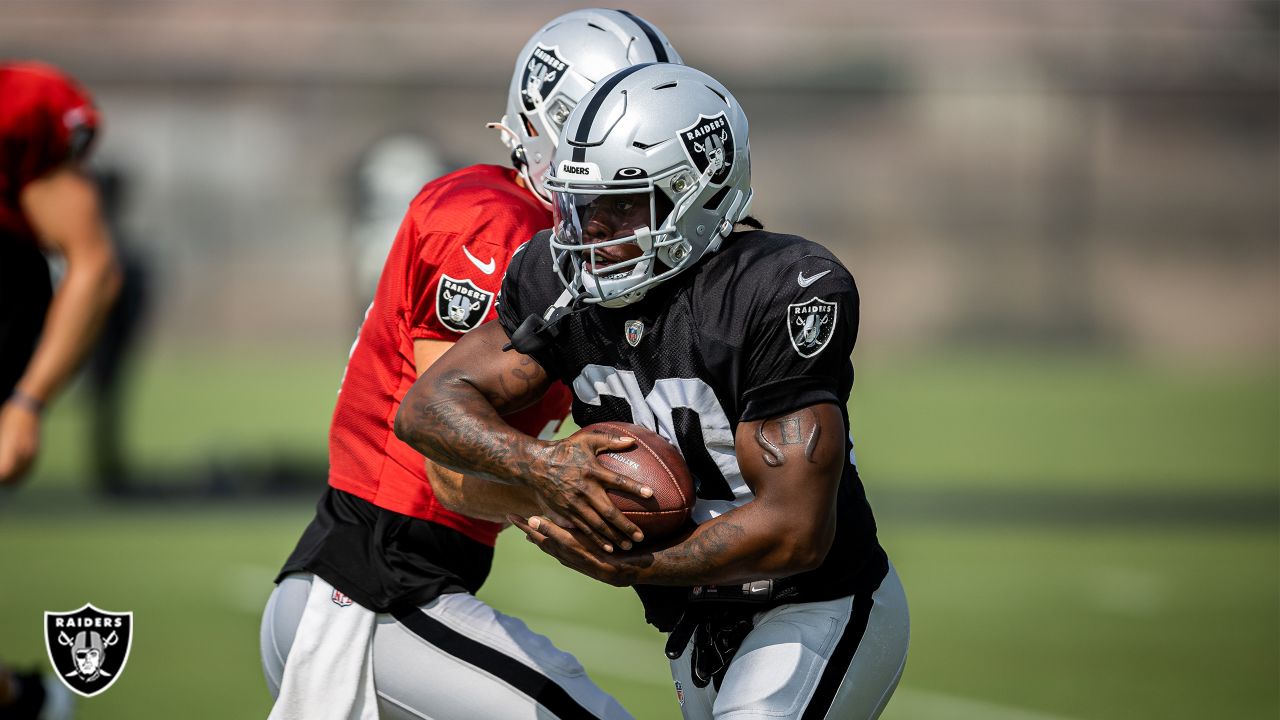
(88, 648)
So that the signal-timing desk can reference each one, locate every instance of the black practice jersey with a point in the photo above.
(763, 327)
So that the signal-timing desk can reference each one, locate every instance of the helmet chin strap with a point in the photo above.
(510, 138)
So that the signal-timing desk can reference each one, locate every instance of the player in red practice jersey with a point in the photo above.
(47, 203)
(47, 123)
(375, 609)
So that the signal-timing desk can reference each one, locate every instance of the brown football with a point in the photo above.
(658, 464)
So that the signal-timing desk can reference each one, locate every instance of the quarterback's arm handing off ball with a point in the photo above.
(453, 415)
(792, 464)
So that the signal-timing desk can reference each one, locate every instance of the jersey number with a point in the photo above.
(680, 410)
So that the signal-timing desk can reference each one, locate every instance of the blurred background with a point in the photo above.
(1063, 215)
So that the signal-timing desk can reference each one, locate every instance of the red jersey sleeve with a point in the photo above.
(454, 285)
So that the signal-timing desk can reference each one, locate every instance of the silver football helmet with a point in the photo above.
(651, 173)
(559, 64)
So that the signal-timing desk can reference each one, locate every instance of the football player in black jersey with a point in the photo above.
(662, 303)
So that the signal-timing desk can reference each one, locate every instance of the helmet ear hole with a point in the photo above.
(663, 206)
(529, 129)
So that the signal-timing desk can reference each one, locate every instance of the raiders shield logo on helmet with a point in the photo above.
(542, 75)
(460, 305)
(811, 324)
(709, 144)
(88, 647)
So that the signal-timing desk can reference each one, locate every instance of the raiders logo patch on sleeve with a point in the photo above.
(460, 305)
(811, 324)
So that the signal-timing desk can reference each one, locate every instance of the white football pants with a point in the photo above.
(454, 658)
(835, 659)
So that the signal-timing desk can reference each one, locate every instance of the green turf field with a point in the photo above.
(1106, 623)
(1021, 421)
(1018, 617)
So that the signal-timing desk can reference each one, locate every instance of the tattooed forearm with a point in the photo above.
(789, 430)
(462, 439)
(702, 553)
(460, 427)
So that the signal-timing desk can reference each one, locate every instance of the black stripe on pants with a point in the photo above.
(540, 688)
(841, 658)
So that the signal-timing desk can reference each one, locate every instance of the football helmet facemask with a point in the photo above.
(651, 173)
(560, 64)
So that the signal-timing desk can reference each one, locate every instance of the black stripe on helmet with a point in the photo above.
(659, 47)
(601, 91)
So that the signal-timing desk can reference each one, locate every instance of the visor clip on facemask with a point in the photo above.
(644, 238)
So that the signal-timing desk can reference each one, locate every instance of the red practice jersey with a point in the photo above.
(46, 120)
(441, 279)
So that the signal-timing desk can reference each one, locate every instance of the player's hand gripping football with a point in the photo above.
(570, 482)
(570, 548)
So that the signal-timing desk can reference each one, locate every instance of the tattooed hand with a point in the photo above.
(568, 481)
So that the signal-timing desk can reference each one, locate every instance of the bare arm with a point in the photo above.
(464, 494)
(63, 209)
(453, 415)
(792, 463)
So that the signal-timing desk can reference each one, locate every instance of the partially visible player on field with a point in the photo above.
(661, 302)
(47, 203)
(375, 609)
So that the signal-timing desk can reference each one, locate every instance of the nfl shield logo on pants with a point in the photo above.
(88, 648)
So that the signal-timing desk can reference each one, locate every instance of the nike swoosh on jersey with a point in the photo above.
(807, 281)
(486, 268)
